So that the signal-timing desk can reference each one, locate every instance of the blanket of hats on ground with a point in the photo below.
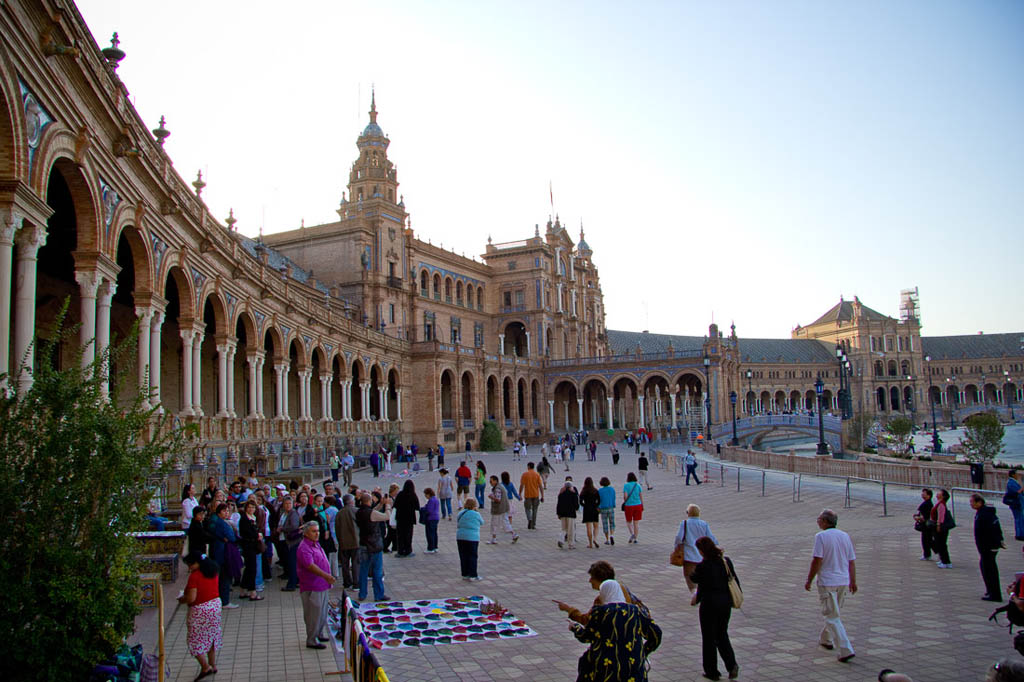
(438, 621)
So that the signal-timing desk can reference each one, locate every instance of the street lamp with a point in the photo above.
(707, 396)
(819, 388)
(843, 382)
(936, 445)
(750, 392)
(984, 395)
(951, 380)
(1009, 402)
(732, 401)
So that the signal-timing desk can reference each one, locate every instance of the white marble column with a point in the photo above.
(528, 352)
(398, 403)
(88, 285)
(579, 413)
(155, 327)
(187, 336)
(344, 399)
(560, 297)
(222, 380)
(145, 315)
(304, 382)
(103, 297)
(325, 396)
(232, 350)
(611, 413)
(255, 379)
(383, 395)
(566, 406)
(672, 406)
(501, 344)
(643, 422)
(260, 405)
(8, 227)
(197, 372)
(281, 377)
(364, 402)
(29, 240)
(551, 416)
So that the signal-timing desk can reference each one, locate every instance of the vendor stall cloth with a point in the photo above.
(436, 621)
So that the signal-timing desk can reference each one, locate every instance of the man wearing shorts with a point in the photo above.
(463, 475)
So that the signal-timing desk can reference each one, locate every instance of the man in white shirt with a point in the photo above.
(833, 564)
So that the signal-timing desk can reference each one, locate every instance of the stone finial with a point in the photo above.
(160, 133)
(199, 184)
(113, 54)
(231, 220)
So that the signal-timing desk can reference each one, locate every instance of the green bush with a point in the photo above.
(74, 470)
(490, 439)
(900, 429)
(983, 436)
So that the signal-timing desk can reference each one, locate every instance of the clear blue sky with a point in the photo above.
(751, 160)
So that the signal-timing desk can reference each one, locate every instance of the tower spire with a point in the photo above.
(373, 105)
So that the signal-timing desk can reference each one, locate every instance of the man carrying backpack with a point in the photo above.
(988, 538)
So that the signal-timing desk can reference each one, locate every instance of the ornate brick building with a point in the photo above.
(339, 335)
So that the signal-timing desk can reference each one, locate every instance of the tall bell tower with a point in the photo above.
(373, 176)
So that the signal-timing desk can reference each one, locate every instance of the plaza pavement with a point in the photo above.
(908, 614)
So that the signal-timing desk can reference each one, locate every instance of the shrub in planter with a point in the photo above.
(490, 439)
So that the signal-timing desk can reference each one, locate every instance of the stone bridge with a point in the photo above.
(751, 430)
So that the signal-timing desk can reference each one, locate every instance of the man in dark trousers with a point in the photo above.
(988, 538)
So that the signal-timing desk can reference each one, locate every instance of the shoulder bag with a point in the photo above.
(679, 552)
(734, 586)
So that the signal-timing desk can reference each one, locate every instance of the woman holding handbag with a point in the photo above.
(713, 576)
(924, 512)
(941, 522)
(250, 540)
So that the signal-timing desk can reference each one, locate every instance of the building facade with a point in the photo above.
(283, 348)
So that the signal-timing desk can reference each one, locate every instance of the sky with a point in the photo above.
(738, 161)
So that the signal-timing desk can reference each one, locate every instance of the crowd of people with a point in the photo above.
(320, 536)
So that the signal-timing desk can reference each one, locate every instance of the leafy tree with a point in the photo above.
(983, 436)
(490, 439)
(899, 429)
(859, 427)
(75, 475)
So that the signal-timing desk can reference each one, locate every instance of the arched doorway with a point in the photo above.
(625, 408)
(516, 342)
(492, 399)
(467, 397)
(447, 403)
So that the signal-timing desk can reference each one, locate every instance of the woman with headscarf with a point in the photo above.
(621, 637)
(712, 577)
(406, 506)
(602, 578)
(203, 623)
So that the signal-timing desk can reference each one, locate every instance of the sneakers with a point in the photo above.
(476, 578)
(925, 558)
(515, 539)
(492, 542)
(942, 565)
(232, 605)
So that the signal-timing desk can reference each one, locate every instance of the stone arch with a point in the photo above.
(458, 292)
(220, 311)
(141, 255)
(469, 295)
(595, 395)
(779, 401)
(894, 399)
(535, 393)
(908, 398)
(521, 401)
(424, 282)
(245, 318)
(515, 339)
(437, 286)
(565, 394)
(655, 373)
(57, 152)
(393, 382)
(466, 394)
(492, 401)
(448, 289)
(447, 396)
(13, 150)
(276, 343)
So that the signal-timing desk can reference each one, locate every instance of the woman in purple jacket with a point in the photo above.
(430, 514)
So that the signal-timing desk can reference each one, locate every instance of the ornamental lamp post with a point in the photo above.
(1007, 382)
(936, 445)
(732, 401)
(707, 396)
(819, 389)
(841, 357)
(750, 392)
(849, 390)
(951, 380)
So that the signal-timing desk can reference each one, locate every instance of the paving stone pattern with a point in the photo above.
(908, 615)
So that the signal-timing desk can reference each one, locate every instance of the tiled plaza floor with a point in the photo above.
(908, 615)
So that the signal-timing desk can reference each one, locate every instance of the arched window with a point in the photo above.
(905, 369)
(448, 290)
(469, 296)
(424, 285)
(879, 370)
(458, 293)
(892, 368)
(480, 298)
(437, 287)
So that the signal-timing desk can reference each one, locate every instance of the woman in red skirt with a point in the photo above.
(203, 599)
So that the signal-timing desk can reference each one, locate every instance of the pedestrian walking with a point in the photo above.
(511, 495)
(988, 538)
(440, 455)
(712, 576)
(607, 509)
(633, 506)
(515, 451)
(544, 469)
(941, 522)
(691, 467)
(348, 463)
(691, 530)
(430, 515)
(565, 508)
(444, 493)
(1012, 499)
(371, 549)
(924, 512)
(641, 467)
(481, 483)
(833, 562)
(203, 623)
(498, 496)
(347, 532)
(315, 581)
(615, 454)
(406, 505)
(430, 459)
(467, 536)
(335, 465)
(375, 464)
(531, 488)
(462, 477)
(590, 501)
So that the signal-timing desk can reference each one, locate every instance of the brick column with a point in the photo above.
(29, 240)
(88, 285)
(187, 340)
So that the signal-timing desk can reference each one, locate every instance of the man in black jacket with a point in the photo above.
(565, 509)
(988, 538)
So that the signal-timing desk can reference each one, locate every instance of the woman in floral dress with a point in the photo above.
(204, 612)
